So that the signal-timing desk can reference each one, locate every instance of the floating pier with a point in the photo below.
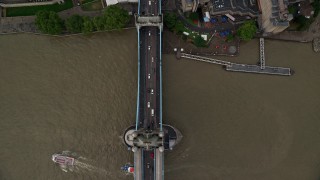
(257, 69)
(247, 68)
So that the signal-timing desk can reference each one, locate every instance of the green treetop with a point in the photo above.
(49, 22)
(199, 41)
(88, 25)
(247, 30)
(170, 20)
(115, 17)
(74, 24)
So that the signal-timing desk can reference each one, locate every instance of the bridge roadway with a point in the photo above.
(149, 163)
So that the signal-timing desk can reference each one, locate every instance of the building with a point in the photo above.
(218, 7)
(275, 16)
(272, 15)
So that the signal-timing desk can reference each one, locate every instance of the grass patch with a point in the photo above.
(32, 10)
(92, 6)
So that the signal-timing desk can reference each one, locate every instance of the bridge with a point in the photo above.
(149, 137)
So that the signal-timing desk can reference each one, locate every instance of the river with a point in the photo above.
(79, 94)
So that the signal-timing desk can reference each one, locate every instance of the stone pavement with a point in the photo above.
(17, 24)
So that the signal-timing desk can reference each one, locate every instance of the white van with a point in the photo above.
(152, 112)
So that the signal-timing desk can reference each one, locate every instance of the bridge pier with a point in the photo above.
(148, 140)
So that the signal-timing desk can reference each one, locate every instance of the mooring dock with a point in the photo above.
(247, 68)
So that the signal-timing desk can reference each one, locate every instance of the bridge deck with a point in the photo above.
(149, 117)
(150, 83)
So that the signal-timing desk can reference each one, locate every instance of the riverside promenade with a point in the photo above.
(9, 25)
(6, 5)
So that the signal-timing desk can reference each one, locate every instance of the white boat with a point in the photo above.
(63, 160)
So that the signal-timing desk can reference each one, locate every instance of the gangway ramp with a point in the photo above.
(262, 56)
(206, 59)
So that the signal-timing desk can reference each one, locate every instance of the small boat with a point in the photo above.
(63, 160)
(128, 168)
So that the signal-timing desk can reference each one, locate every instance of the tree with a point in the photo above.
(170, 20)
(88, 25)
(230, 38)
(194, 16)
(184, 37)
(48, 22)
(115, 17)
(74, 24)
(304, 23)
(98, 23)
(179, 27)
(316, 7)
(199, 41)
(247, 30)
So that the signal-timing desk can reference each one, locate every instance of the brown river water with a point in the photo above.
(79, 94)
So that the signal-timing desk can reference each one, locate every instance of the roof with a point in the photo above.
(243, 7)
